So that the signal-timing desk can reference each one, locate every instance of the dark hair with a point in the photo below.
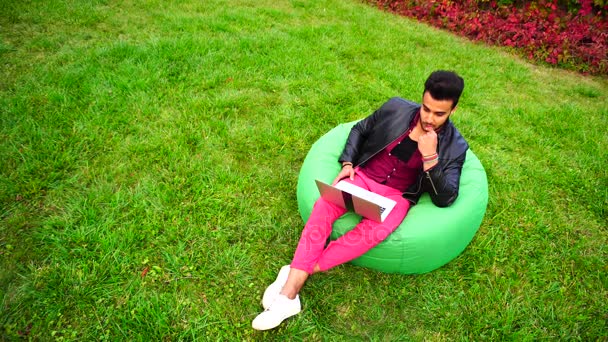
(444, 85)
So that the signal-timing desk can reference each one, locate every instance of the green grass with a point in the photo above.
(168, 135)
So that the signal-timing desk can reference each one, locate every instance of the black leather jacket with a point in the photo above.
(372, 134)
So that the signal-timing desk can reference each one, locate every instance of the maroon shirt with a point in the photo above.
(387, 169)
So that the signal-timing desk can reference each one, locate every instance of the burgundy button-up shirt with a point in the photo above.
(389, 170)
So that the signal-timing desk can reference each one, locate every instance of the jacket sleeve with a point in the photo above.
(357, 136)
(442, 182)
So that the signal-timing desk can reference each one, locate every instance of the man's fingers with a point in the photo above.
(340, 176)
(336, 180)
(343, 174)
(429, 135)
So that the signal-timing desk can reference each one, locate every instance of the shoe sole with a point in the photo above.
(262, 328)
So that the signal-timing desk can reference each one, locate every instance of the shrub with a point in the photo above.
(571, 34)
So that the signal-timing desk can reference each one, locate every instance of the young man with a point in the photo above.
(400, 151)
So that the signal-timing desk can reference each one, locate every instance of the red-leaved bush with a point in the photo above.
(541, 30)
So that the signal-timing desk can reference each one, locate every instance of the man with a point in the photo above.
(400, 151)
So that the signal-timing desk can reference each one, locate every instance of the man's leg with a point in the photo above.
(282, 300)
(314, 237)
(315, 234)
(364, 236)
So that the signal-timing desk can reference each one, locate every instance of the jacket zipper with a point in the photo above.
(428, 175)
(417, 188)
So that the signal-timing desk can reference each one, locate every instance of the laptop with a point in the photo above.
(352, 197)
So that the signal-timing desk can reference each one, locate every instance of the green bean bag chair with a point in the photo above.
(429, 236)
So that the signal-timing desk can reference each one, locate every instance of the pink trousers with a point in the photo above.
(311, 248)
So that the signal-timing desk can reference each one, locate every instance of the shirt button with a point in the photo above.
(388, 176)
(390, 154)
(393, 169)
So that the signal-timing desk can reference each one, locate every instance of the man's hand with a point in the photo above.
(347, 171)
(427, 143)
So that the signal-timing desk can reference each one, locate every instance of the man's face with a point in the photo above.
(434, 113)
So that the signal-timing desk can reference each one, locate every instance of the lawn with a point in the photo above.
(150, 151)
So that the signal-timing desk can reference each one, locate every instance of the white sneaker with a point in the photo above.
(280, 309)
(273, 290)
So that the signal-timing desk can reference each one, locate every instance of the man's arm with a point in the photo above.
(356, 138)
(442, 182)
(350, 154)
(441, 177)
(358, 134)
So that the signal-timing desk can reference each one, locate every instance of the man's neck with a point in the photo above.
(416, 132)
